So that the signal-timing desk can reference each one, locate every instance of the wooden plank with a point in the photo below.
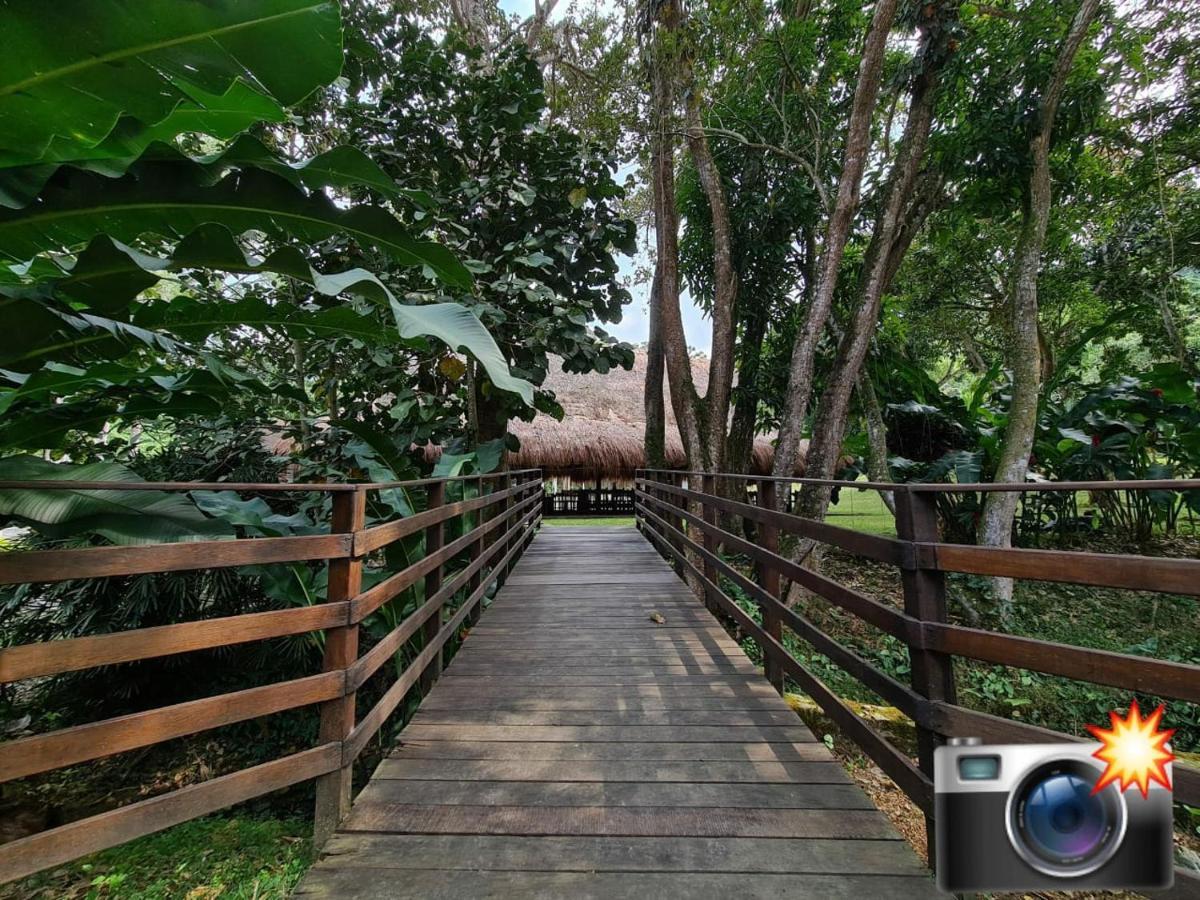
(73, 654)
(415, 818)
(644, 771)
(601, 707)
(599, 854)
(719, 795)
(659, 751)
(59, 845)
(456, 715)
(46, 566)
(738, 734)
(1138, 573)
(43, 752)
(381, 884)
(1180, 681)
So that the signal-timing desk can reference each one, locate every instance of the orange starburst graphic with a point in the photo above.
(1134, 749)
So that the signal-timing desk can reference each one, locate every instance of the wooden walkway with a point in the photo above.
(577, 748)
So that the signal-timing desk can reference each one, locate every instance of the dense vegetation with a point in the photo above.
(945, 241)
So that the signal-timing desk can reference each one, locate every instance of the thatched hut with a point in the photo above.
(600, 439)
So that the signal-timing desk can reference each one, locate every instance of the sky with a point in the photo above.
(635, 323)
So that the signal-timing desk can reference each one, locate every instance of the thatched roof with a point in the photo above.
(602, 432)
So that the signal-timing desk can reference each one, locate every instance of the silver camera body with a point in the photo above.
(1024, 817)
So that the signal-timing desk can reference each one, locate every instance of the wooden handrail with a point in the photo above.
(984, 487)
(669, 515)
(342, 739)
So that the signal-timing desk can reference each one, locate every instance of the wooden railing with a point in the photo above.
(679, 513)
(507, 508)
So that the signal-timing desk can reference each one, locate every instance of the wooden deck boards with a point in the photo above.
(576, 748)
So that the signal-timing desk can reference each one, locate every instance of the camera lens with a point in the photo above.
(1060, 826)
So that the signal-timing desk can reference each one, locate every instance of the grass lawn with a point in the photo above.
(234, 857)
(862, 511)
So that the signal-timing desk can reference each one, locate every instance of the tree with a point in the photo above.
(908, 195)
(837, 233)
(533, 209)
(995, 525)
(107, 196)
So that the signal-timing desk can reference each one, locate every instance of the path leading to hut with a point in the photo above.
(576, 747)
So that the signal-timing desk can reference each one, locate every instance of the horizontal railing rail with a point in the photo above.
(680, 513)
(504, 513)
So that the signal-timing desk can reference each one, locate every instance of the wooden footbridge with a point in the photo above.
(597, 731)
(579, 747)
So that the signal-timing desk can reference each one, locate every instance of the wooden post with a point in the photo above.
(506, 484)
(435, 536)
(341, 651)
(475, 551)
(708, 485)
(676, 480)
(768, 580)
(925, 599)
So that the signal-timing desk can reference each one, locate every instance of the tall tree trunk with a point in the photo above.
(655, 408)
(725, 288)
(882, 260)
(702, 421)
(996, 521)
(664, 67)
(837, 232)
(739, 448)
(877, 451)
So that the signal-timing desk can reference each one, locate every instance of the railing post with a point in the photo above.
(435, 537)
(768, 580)
(341, 651)
(676, 521)
(924, 599)
(506, 485)
(475, 551)
(708, 485)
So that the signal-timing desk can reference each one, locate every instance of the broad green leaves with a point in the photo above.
(111, 274)
(172, 199)
(71, 72)
(123, 517)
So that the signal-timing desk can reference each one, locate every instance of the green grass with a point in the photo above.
(236, 857)
(862, 511)
(590, 520)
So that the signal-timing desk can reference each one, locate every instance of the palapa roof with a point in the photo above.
(603, 429)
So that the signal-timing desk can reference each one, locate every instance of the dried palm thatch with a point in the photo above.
(601, 435)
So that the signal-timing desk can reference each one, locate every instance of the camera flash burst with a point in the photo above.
(1134, 749)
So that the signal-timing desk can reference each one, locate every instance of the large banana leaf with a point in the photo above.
(341, 167)
(171, 199)
(71, 71)
(111, 274)
(123, 517)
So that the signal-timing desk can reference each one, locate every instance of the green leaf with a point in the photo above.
(171, 199)
(123, 517)
(70, 72)
(341, 167)
(109, 271)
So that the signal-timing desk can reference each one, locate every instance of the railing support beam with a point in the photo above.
(925, 599)
(341, 651)
(768, 580)
(435, 539)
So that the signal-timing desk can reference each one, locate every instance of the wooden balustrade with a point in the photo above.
(504, 521)
(683, 523)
